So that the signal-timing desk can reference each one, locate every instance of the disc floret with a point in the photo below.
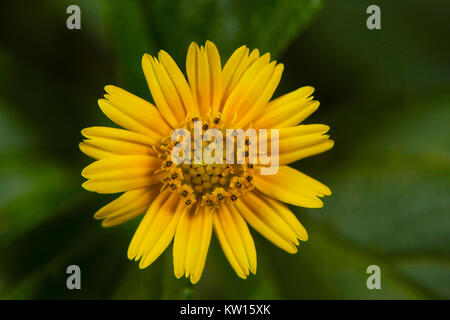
(204, 184)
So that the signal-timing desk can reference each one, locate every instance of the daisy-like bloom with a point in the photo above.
(184, 203)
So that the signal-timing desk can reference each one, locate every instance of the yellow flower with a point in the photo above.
(184, 202)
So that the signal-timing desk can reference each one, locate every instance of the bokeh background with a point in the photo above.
(385, 94)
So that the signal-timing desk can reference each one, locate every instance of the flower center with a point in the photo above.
(206, 184)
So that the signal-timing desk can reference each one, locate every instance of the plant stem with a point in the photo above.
(188, 290)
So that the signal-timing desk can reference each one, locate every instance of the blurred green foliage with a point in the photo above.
(384, 93)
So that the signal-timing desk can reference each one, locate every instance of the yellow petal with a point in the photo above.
(191, 71)
(304, 129)
(180, 244)
(287, 110)
(262, 223)
(121, 173)
(260, 98)
(125, 120)
(171, 115)
(200, 244)
(199, 76)
(121, 163)
(127, 202)
(268, 214)
(247, 87)
(293, 96)
(220, 233)
(234, 68)
(163, 235)
(304, 152)
(291, 186)
(106, 142)
(247, 239)
(226, 247)
(204, 71)
(94, 152)
(231, 66)
(203, 82)
(179, 82)
(272, 219)
(121, 185)
(215, 75)
(160, 210)
(137, 109)
(114, 221)
(285, 214)
(169, 91)
(235, 240)
(118, 134)
(118, 147)
(302, 141)
(252, 91)
(191, 243)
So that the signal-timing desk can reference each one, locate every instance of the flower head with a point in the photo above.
(216, 186)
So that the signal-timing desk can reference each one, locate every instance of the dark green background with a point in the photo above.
(385, 94)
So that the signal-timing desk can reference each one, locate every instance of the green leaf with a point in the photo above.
(269, 25)
(128, 26)
(28, 180)
(138, 27)
(28, 185)
(389, 205)
(154, 282)
(219, 281)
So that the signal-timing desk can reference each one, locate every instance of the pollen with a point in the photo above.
(204, 184)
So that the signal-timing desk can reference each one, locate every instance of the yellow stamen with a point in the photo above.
(204, 184)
